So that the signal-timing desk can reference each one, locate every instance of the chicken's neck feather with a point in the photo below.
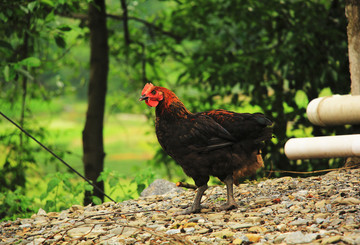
(172, 110)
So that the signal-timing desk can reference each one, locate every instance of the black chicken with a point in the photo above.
(220, 143)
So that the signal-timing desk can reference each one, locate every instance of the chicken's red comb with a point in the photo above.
(148, 87)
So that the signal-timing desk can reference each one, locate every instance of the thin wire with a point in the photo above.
(56, 156)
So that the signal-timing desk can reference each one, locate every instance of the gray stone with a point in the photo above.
(253, 219)
(173, 231)
(129, 240)
(215, 217)
(299, 238)
(281, 227)
(26, 225)
(301, 193)
(330, 240)
(202, 231)
(336, 222)
(189, 230)
(348, 240)
(280, 238)
(347, 201)
(320, 204)
(320, 220)
(160, 187)
(196, 219)
(125, 231)
(328, 207)
(224, 233)
(267, 211)
(145, 236)
(357, 240)
(245, 225)
(236, 225)
(299, 221)
(41, 212)
(79, 231)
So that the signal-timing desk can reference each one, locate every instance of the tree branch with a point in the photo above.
(125, 22)
(148, 24)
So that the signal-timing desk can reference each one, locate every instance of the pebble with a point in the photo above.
(317, 210)
(330, 240)
(281, 227)
(257, 229)
(300, 221)
(237, 225)
(161, 187)
(224, 233)
(253, 237)
(173, 231)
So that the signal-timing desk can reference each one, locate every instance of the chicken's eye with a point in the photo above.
(153, 92)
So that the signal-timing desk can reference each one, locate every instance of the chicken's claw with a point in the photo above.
(229, 206)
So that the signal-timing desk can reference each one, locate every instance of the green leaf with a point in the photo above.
(113, 182)
(30, 62)
(3, 17)
(50, 16)
(88, 187)
(48, 2)
(43, 196)
(24, 9)
(52, 184)
(6, 73)
(140, 188)
(32, 5)
(67, 184)
(96, 200)
(101, 177)
(50, 205)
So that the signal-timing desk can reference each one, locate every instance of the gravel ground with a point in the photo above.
(317, 210)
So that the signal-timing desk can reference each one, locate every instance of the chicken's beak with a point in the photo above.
(143, 97)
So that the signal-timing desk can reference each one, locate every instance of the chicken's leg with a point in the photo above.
(230, 204)
(196, 207)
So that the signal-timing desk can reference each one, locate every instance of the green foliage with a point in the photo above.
(14, 165)
(62, 190)
(15, 204)
(143, 179)
(31, 37)
(115, 181)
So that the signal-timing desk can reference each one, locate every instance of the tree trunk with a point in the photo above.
(352, 11)
(93, 147)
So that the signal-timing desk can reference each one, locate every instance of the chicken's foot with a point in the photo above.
(196, 207)
(230, 204)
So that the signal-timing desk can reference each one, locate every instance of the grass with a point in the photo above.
(128, 138)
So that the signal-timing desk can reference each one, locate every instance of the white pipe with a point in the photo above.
(323, 147)
(334, 110)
